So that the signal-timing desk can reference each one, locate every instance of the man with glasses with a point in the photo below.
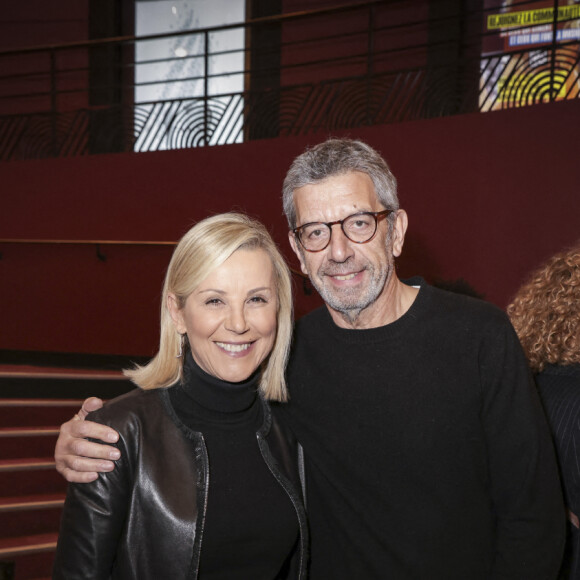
(426, 451)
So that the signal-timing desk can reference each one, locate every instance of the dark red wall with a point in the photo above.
(334, 45)
(489, 196)
(37, 23)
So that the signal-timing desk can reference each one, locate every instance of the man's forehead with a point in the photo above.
(350, 192)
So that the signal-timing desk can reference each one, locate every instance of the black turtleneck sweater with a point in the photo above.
(251, 525)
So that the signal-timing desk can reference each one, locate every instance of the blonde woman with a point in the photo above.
(207, 485)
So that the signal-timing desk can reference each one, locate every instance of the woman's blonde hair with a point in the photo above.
(546, 312)
(205, 247)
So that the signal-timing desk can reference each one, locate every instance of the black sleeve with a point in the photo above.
(92, 523)
(525, 489)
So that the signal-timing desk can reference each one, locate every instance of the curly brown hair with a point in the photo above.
(546, 311)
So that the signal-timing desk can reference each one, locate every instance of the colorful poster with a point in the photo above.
(530, 53)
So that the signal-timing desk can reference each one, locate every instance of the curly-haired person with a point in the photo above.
(546, 315)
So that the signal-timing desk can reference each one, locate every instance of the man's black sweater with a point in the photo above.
(427, 453)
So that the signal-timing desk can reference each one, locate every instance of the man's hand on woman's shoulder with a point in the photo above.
(79, 460)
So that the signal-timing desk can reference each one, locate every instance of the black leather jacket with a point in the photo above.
(145, 519)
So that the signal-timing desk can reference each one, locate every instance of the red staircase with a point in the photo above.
(31, 491)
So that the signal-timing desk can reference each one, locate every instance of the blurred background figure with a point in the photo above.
(546, 315)
(459, 286)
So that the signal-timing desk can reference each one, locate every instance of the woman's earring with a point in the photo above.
(181, 341)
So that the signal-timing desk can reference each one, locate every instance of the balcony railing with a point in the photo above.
(100, 245)
(323, 70)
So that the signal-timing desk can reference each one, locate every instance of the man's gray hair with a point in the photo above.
(336, 157)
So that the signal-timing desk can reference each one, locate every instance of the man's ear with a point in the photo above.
(297, 251)
(399, 231)
(176, 313)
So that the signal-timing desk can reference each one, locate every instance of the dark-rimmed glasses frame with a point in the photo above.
(376, 215)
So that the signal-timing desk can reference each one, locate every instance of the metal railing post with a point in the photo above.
(205, 87)
(554, 45)
(370, 61)
(53, 103)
